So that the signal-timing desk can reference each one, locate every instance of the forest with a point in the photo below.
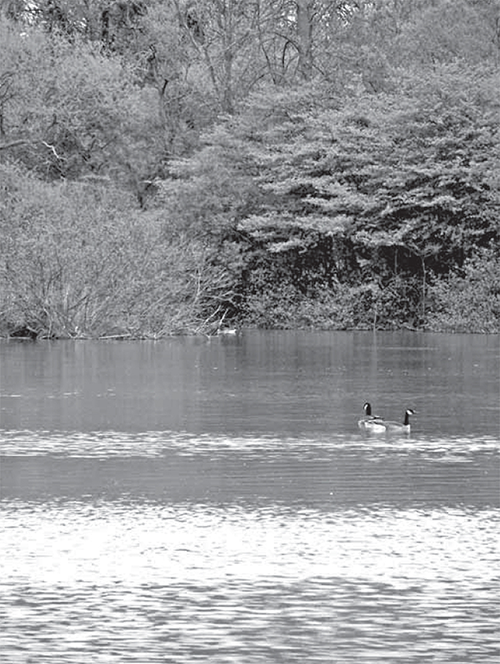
(189, 166)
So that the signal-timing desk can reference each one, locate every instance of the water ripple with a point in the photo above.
(123, 583)
(108, 444)
(72, 540)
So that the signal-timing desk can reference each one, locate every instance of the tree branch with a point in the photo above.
(12, 144)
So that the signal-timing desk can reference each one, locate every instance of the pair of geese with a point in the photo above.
(376, 424)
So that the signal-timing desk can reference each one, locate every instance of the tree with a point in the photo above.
(387, 192)
(72, 112)
(446, 31)
(342, 153)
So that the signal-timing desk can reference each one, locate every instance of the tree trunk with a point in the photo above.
(228, 55)
(304, 35)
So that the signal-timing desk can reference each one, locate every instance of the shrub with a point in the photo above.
(468, 301)
(82, 261)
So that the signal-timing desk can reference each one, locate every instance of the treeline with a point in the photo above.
(170, 167)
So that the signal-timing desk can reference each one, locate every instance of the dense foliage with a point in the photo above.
(176, 166)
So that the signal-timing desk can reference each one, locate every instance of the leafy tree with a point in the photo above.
(114, 23)
(386, 193)
(468, 300)
(70, 112)
(446, 31)
(296, 162)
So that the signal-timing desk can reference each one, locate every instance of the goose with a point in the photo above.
(370, 422)
(398, 427)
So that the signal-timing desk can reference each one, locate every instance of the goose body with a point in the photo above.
(370, 422)
(398, 427)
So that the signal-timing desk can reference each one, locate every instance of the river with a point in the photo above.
(195, 500)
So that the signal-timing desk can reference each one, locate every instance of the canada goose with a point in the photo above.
(397, 426)
(370, 422)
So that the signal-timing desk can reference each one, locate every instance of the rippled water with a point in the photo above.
(290, 540)
(123, 583)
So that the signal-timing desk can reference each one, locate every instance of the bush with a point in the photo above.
(470, 301)
(82, 261)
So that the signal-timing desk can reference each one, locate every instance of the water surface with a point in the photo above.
(213, 500)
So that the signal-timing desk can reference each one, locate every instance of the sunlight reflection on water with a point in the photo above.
(248, 585)
(196, 500)
(173, 547)
(105, 444)
(51, 543)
